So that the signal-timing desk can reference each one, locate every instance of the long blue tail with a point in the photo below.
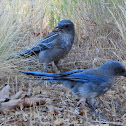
(24, 52)
(73, 75)
(48, 76)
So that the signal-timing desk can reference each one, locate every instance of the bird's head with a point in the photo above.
(114, 68)
(64, 26)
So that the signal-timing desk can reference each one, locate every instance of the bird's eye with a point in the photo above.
(66, 26)
(119, 70)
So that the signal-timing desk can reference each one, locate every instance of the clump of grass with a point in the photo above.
(17, 20)
(119, 16)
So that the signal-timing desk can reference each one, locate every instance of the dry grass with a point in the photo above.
(100, 36)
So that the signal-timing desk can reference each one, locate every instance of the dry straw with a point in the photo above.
(100, 36)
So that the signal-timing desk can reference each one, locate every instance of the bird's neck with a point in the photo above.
(66, 38)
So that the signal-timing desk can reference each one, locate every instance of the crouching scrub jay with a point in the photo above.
(87, 84)
(55, 45)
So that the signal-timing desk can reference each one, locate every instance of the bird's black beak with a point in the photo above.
(57, 29)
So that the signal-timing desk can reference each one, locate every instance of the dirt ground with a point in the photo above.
(90, 49)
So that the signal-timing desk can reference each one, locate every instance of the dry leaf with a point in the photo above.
(7, 106)
(33, 101)
(2, 100)
(17, 95)
(4, 94)
(20, 99)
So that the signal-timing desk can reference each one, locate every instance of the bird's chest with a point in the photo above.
(66, 40)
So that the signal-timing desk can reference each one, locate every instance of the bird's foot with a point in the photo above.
(99, 116)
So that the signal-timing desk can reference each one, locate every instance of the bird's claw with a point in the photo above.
(100, 117)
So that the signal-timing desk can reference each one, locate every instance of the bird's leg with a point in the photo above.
(91, 104)
(97, 103)
(56, 63)
(52, 67)
(45, 67)
(97, 115)
(81, 101)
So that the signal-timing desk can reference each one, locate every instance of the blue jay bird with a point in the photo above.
(87, 84)
(55, 45)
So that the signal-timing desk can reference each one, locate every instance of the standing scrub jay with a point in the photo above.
(87, 84)
(55, 45)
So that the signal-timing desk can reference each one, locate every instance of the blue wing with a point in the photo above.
(85, 77)
(43, 44)
(70, 76)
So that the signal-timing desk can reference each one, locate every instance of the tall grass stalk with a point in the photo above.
(119, 16)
